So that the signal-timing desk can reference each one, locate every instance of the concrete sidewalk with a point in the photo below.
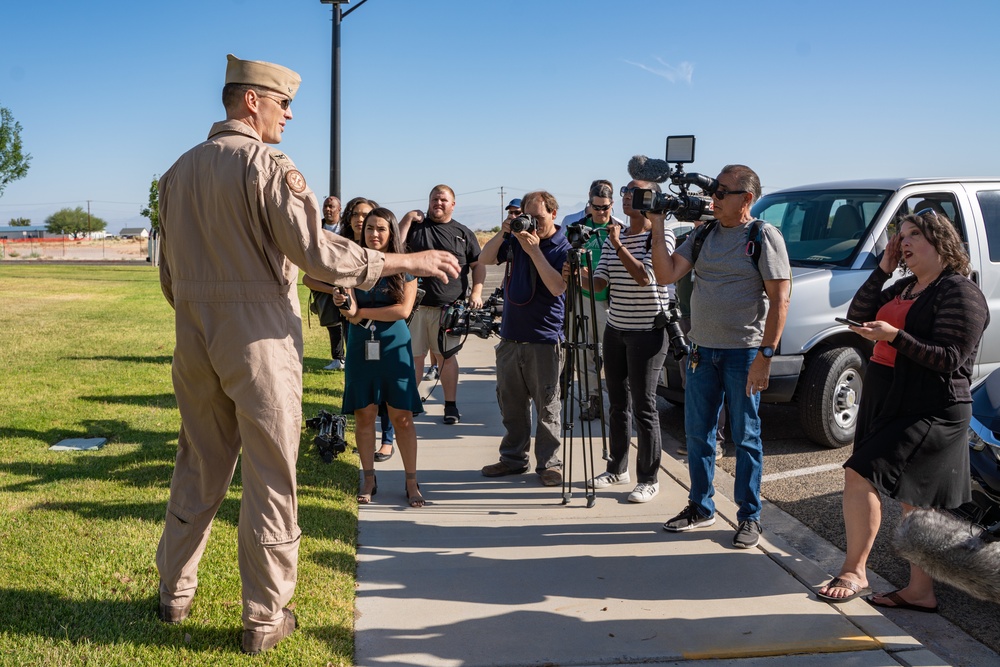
(502, 572)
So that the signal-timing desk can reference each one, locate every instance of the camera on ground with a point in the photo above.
(330, 440)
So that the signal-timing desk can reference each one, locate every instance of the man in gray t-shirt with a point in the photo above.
(738, 310)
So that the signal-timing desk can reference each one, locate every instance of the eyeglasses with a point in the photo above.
(626, 191)
(513, 211)
(600, 208)
(283, 102)
(721, 194)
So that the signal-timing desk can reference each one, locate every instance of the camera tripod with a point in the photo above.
(581, 339)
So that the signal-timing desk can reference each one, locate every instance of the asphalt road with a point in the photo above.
(806, 480)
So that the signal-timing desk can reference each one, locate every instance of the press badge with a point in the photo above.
(372, 349)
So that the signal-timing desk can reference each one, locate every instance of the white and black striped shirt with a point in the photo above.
(633, 306)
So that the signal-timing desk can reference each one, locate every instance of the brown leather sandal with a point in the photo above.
(416, 500)
(365, 498)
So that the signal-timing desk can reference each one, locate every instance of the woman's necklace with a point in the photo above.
(908, 293)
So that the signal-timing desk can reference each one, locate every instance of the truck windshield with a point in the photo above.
(821, 227)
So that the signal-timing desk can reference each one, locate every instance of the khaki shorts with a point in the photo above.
(424, 327)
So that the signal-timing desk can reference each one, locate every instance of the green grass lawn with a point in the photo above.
(85, 351)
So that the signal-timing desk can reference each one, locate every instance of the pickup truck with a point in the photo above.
(835, 234)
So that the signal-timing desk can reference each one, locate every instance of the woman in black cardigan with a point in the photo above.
(911, 441)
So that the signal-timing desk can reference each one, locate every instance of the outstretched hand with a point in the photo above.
(438, 264)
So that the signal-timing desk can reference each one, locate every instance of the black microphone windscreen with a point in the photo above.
(642, 168)
(951, 551)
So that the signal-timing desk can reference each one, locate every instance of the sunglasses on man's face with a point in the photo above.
(283, 102)
(596, 207)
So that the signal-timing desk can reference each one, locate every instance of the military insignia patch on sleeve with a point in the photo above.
(296, 181)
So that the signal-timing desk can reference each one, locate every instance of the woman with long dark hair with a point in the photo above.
(380, 360)
(351, 226)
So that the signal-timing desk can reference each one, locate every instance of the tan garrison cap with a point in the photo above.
(265, 75)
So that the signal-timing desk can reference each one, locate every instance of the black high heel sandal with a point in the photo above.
(365, 498)
(416, 500)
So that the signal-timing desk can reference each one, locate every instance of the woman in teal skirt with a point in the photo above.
(379, 364)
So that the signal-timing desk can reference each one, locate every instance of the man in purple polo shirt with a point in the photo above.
(530, 354)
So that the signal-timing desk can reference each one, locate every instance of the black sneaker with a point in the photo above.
(689, 519)
(451, 414)
(747, 535)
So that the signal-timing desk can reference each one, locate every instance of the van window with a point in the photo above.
(821, 227)
(942, 203)
(989, 203)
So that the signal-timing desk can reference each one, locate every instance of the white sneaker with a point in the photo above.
(431, 374)
(335, 365)
(606, 479)
(644, 492)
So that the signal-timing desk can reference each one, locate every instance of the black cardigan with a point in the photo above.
(937, 345)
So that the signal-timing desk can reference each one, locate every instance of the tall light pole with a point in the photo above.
(338, 16)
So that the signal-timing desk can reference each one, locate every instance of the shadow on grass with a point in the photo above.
(166, 401)
(42, 613)
(149, 465)
(125, 359)
(56, 618)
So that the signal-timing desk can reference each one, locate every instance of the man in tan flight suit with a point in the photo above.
(236, 219)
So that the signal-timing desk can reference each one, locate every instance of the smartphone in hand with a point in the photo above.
(347, 298)
(853, 323)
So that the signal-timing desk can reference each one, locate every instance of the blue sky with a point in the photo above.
(519, 94)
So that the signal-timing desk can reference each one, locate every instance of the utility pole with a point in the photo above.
(88, 220)
(338, 16)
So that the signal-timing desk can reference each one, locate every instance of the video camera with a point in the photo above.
(460, 320)
(330, 439)
(685, 207)
(578, 234)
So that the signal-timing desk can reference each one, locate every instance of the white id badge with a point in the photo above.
(372, 349)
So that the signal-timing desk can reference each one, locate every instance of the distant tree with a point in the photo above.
(13, 163)
(73, 221)
(20, 222)
(153, 210)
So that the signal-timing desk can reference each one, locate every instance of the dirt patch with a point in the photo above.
(70, 250)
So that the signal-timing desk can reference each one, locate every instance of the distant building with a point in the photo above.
(134, 233)
(29, 232)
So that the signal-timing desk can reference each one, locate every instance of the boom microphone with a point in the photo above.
(643, 168)
(954, 552)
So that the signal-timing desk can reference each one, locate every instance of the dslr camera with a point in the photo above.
(671, 320)
(684, 206)
(523, 223)
(330, 439)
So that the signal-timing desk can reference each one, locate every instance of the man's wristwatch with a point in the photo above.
(766, 351)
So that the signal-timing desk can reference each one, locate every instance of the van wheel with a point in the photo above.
(831, 391)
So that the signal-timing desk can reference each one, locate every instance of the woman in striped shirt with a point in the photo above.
(635, 346)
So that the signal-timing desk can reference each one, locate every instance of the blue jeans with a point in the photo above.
(722, 373)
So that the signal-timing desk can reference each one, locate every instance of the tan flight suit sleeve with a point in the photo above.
(296, 225)
(165, 281)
